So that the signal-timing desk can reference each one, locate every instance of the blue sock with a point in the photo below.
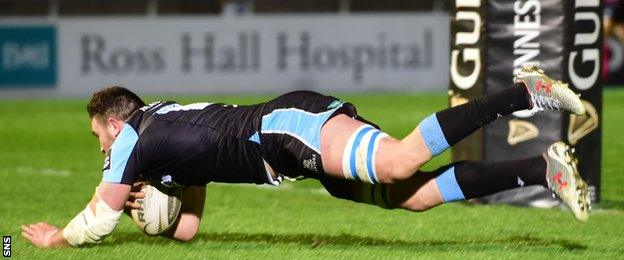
(448, 186)
(433, 135)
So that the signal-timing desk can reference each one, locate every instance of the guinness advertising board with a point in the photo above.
(490, 41)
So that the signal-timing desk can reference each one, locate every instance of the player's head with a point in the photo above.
(108, 109)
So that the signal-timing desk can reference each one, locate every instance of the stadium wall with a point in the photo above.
(248, 54)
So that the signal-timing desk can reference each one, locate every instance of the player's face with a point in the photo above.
(104, 132)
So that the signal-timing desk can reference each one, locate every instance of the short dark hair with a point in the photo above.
(115, 101)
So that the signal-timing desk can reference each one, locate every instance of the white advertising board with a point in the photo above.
(277, 53)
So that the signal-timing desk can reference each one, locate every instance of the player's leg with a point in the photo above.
(555, 169)
(354, 150)
(357, 151)
(349, 146)
(459, 181)
(444, 128)
(533, 90)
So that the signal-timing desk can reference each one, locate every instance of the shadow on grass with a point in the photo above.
(317, 240)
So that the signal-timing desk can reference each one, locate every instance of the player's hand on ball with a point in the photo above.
(135, 193)
(157, 209)
(40, 234)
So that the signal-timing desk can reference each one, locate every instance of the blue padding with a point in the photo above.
(304, 126)
(369, 158)
(255, 138)
(120, 152)
(356, 143)
(433, 135)
(447, 184)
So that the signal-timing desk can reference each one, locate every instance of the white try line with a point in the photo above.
(43, 171)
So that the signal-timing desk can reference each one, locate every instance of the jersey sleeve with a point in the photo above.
(117, 166)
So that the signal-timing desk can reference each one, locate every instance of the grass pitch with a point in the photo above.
(50, 164)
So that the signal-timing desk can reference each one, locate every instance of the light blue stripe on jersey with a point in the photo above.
(356, 144)
(304, 126)
(448, 186)
(255, 138)
(433, 135)
(120, 152)
(369, 157)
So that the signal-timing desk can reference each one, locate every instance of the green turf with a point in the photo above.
(49, 165)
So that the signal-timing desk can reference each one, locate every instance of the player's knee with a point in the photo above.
(397, 169)
(394, 173)
(399, 164)
(417, 206)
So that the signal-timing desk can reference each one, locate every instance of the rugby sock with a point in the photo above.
(432, 134)
(449, 126)
(474, 179)
(448, 186)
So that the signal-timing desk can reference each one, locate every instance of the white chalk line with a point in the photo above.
(43, 171)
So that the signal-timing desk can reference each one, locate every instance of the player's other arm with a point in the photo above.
(92, 225)
(186, 227)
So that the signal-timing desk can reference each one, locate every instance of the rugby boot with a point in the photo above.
(564, 180)
(547, 93)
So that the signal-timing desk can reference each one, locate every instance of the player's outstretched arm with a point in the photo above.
(95, 222)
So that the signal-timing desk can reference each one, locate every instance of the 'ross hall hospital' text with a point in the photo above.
(244, 52)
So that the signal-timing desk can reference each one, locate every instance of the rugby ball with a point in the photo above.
(159, 209)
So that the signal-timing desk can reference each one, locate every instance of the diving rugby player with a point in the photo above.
(306, 134)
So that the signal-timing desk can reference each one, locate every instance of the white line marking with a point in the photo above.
(43, 171)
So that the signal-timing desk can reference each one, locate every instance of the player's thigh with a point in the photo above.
(335, 134)
(390, 156)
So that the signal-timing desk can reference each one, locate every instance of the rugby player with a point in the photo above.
(306, 134)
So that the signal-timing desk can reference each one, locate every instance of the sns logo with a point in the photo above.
(6, 246)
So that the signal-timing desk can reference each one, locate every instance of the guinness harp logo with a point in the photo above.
(582, 125)
(456, 99)
(521, 131)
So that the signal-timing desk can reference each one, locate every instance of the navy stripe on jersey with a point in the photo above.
(119, 154)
